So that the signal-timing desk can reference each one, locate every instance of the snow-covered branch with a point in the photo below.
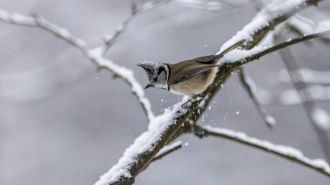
(93, 54)
(38, 21)
(249, 86)
(279, 150)
(273, 14)
(302, 25)
(238, 58)
(149, 143)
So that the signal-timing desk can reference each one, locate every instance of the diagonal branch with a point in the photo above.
(148, 144)
(279, 150)
(249, 86)
(258, 52)
(94, 55)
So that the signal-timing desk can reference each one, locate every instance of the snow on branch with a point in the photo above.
(241, 57)
(93, 54)
(274, 13)
(250, 87)
(286, 152)
(38, 21)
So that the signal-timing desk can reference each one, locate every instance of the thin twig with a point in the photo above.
(109, 40)
(167, 150)
(248, 85)
(279, 150)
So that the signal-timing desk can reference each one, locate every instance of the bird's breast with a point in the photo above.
(195, 85)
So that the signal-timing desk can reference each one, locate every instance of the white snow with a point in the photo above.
(237, 55)
(270, 120)
(272, 10)
(126, 74)
(279, 149)
(321, 118)
(144, 142)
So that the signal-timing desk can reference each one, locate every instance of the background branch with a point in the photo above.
(279, 150)
(93, 54)
(308, 104)
(248, 85)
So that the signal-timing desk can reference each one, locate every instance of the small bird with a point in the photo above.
(189, 78)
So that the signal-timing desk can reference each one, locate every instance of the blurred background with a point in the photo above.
(64, 122)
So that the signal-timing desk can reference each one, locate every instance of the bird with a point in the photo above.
(190, 77)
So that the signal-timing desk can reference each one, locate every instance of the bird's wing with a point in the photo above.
(193, 72)
(205, 59)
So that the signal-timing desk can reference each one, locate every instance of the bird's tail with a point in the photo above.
(232, 47)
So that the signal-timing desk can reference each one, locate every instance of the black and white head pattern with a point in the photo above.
(157, 73)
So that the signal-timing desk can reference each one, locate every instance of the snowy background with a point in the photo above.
(64, 122)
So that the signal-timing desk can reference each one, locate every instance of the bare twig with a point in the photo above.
(250, 88)
(109, 40)
(93, 54)
(301, 25)
(279, 150)
(167, 150)
(308, 105)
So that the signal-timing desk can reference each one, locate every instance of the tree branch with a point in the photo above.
(148, 144)
(279, 150)
(109, 40)
(256, 53)
(93, 54)
(249, 86)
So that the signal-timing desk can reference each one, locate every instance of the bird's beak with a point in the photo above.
(148, 86)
